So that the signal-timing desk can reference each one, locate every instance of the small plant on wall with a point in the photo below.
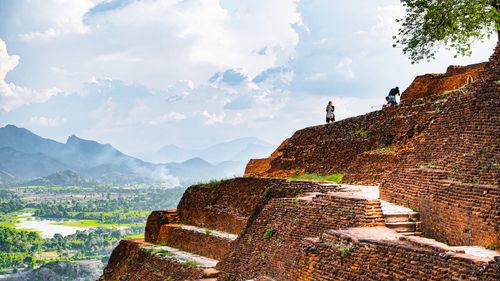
(269, 233)
(345, 250)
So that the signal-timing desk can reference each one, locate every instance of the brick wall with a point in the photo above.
(339, 256)
(452, 137)
(453, 212)
(269, 246)
(455, 184)
(155, 220)
(228, 205)
(455, 77)
(195, 242)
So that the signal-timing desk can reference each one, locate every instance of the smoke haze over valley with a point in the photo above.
(26, 156)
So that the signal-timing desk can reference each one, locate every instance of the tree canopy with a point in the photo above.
(454, 24)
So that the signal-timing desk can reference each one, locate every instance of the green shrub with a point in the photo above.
(267, 193)
(207, 231)
(493, 247)
(386, 148)
(361, 133)
(269, 233)
(345, 250)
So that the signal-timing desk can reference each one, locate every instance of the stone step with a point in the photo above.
(210, 243)
(416, 233)
(145, 261)
(418, 226)
(406, 217)
(210, 273)
(391, 208)
(181, 256)
(401, 226)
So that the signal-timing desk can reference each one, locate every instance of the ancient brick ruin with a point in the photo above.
(421, 199)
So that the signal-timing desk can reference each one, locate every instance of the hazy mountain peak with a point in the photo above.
(27, 156)
(74, 139)
(14, 129)
(10, 126)
(196, 160)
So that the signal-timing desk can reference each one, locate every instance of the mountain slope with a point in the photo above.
(32, 157)
(63, 178)
(28, 165)
(6, 178)
(25, 141)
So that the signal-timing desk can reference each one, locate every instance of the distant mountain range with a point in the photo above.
(27, 158)
(239, 150)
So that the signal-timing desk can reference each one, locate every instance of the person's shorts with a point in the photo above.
(392, 99)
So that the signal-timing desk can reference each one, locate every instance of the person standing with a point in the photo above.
(330, 116)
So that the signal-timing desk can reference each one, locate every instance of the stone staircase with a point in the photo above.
(401, 219)
(204, 264)
(192, 245)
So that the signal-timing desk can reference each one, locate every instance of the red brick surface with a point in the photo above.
(228, 206)
(440, 157)
(337, 256)
(455, 77)
(155, 221)
(129, 262)
(292, 220)
(194, 242)
(441, 152)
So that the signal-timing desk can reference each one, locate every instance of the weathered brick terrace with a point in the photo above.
(426, 205)
(296, 231)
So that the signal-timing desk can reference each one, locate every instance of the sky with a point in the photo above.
(143, 74)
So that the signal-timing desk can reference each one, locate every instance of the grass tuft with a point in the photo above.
(336, 178)
(269, 233)
(213, 183)
(192, 263)
(362, 133)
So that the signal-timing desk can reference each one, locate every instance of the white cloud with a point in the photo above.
(47, 121)
(385, 26)
(214, 118)
(7, 63)
(118, 57)
(54, 18)
(149, 64)
(154, 43)
(172, 116)
(317, 76)
(11, 95)
(344, 68)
